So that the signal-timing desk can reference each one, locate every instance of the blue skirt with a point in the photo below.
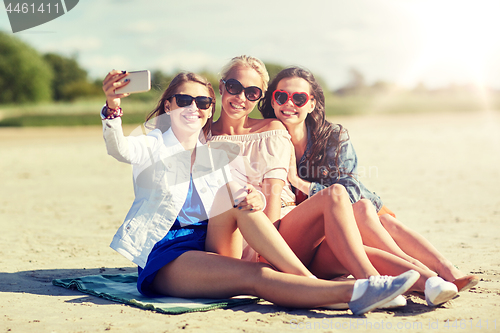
(177, 241)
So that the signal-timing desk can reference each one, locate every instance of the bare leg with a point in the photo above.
(208, 275)
(327, 215)
(375, 235)
(224, 237)
(420, 248)
(325, 265)
(389, 264)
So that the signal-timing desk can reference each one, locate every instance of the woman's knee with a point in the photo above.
(365, 214)
(257, 276)
(364, 207)
(335, 193)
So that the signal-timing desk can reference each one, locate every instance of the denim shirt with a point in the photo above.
(161, 170)
(348, 163)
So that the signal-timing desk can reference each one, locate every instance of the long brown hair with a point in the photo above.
(324, 135)
(159, 119)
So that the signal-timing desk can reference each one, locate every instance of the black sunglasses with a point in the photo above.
(234, 87)
(202, 102)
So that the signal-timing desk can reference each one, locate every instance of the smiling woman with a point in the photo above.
(185, 227)
(458, 39)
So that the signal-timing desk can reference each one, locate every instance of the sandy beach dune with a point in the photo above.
(62, 198)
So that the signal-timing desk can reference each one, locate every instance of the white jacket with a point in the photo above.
(161, 169)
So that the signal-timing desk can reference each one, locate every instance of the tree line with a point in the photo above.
(26, 76)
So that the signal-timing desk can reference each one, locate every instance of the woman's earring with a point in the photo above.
(168, 113)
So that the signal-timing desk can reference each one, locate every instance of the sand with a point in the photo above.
(62, 198)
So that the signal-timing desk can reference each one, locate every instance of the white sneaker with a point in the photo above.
(382, 289)
(395, 303)
(439, 291)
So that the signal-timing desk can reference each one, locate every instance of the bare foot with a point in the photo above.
(449, 272)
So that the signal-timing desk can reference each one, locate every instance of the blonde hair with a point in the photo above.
(247, 61)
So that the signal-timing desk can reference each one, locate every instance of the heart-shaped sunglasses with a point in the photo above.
(299, 99)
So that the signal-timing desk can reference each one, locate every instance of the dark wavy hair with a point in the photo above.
(324, 135)
(158, 117)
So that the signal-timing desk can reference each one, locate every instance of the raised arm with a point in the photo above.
(135, 150)
(112, 81)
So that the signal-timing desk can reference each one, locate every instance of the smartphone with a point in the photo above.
(140, 81)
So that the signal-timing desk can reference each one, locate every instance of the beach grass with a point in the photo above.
(79, 113)
(405, 102)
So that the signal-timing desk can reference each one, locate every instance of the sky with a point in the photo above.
(436, 42)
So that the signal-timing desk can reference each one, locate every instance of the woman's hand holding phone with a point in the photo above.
(115, 79)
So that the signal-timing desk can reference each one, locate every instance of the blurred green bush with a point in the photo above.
(24, 75)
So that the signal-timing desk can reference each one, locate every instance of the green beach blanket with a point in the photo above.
(122, 288)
